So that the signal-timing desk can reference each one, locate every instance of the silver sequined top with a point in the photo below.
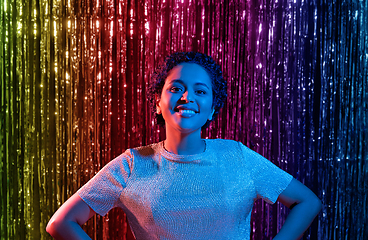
(203, 196)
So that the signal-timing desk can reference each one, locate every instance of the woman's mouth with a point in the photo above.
(185, 112)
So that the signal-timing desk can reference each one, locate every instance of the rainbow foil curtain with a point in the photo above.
(74, 77)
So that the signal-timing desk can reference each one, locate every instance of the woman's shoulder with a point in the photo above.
(219, 142)
(147, 151)
(225, 146)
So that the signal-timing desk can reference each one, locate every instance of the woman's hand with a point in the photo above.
(305, 207)
(67, 220)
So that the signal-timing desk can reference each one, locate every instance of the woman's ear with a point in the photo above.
(158, 107)
(211, 115)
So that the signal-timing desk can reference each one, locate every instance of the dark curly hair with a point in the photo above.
(219, 84)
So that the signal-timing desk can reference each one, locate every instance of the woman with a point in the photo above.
(186, 187)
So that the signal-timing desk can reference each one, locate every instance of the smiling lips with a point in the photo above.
(184, 111)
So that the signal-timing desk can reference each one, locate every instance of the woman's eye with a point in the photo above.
(201, 92)
(175, 89)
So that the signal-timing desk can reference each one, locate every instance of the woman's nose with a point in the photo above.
(187, 96)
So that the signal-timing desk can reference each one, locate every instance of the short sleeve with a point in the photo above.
(103, 190)
(269, 180)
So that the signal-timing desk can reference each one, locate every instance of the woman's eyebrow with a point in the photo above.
(177, 80)
(182, 82)
(202, 84)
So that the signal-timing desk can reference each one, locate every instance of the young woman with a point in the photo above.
(186, 187)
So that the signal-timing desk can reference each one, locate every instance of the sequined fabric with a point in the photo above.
(203, 196)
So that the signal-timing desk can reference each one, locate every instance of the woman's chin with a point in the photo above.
(184, 128)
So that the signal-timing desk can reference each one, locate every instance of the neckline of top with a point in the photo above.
(183, 158)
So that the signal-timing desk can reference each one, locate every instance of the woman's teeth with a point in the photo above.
(186, 111)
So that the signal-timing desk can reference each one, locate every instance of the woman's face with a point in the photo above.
(186, 98)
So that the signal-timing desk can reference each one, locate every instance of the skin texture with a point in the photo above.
(158, 77)
(301, 216)
(188, 86)
(67, 220)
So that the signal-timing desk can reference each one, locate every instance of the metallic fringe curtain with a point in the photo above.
(74, 77)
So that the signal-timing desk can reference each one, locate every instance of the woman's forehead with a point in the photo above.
(190, 73)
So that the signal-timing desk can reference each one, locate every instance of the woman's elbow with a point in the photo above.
(51, 227)
(315, 204)
(319, 204)
(54, 227)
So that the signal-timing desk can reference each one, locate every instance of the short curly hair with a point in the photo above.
(219, 84)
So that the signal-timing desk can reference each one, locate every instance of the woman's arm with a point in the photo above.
(67, 220)
(306, 206)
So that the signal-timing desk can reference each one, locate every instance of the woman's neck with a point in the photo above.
(184, 144)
